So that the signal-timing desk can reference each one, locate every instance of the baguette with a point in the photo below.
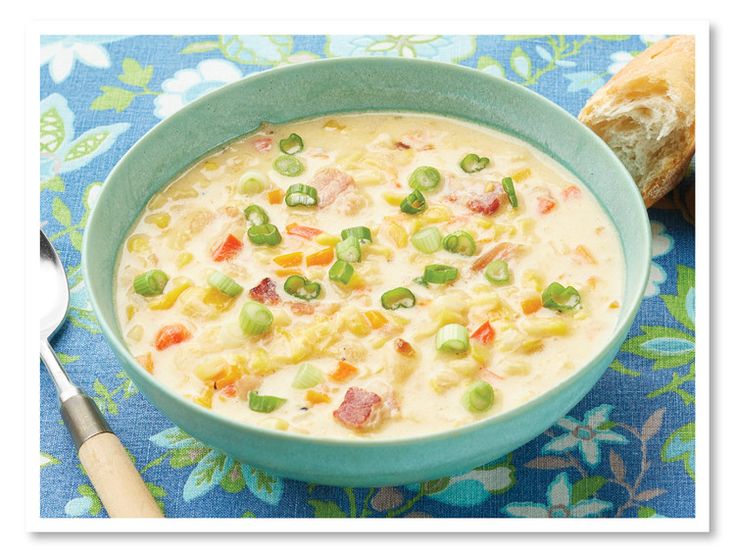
(645, 113)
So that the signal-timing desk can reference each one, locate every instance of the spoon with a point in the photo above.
(117, 482)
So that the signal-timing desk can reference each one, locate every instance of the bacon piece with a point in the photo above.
(545, 205)
(300, 308)
(571, 192)
(502, 251)
(486, 204)
(330, 183)
(359, 409)
(263, 144)
(404, 348)
(265, 292)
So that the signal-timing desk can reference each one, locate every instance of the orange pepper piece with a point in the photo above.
(322, 257)
(313, 397)
(275, 196)
(531, 305)
(287, 272)
(289, 259)
(344, 371)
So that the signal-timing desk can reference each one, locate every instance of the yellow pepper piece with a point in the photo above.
(326, 239)
(393, 198)
(358, 324)
(205, 398)
(289, 259)
(169, 298)
(161, 220)
(376, 319)
(521, 175)
(314, 397)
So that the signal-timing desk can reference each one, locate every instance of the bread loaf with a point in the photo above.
(645, 113)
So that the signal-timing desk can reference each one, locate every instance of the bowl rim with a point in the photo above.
(623, 324)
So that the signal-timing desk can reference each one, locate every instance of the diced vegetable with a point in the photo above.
(151, 283)
(251, 182)
(485, 333)
(440, 274)
(314, 397)
(255, 215)
(289, 259)
(531, 305)
(146, 361)
(210, 370)
(265, 292)
(288, 166)
(275, 196)
(571, 192)
(414, 203)
(307, 376)
(326, 239)
(460, 242)
(302, 231)
(497, 272)
(224, 284)
(376, 319)
(545, 205)
(170, 335)
(300, 287)
(510, 190)
(397, 298)
(452, 338)
(264, 235)
(205, 398)
(363, 234)
(557, 297)
(479, 397)
(227, 249)
(424, 178)
(178, 285)
(264, 404)
(521, 175)
(486, 204)
(344, 372)
(322, 257)
(404, 348)
(341, 271)
(301, 195)
(291, 145)
(427, 240)
(472, 163)
(183, 259)
(255, 318)
(161, 220)
(349, 250)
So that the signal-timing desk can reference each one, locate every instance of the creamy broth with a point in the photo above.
(376, 371)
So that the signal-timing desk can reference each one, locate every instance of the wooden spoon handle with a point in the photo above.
(115, 478)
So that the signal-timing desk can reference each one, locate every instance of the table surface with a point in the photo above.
(626, 450)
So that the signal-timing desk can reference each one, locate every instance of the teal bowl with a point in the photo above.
(359, 85)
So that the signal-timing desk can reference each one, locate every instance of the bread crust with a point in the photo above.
(662, 75)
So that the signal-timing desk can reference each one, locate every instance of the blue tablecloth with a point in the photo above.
(627, 450)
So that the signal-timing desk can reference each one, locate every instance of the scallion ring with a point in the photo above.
(349, 250)
(266, 234)
(460, 242)
(427, 240)
(341, 271)
(264, 404)
(472, 163)
(397, 298)
(301, 194)
(307, 376)
(302, 288)
(288, 166)
(479, 397)
(556, 296)
(440, 274)
(150, 283)
(252, 182)
(291, 145)
(256, 215)
(452, 338)
(224, 284)
(497, 272)
(424, 178)
(255, 318)
(414, 203)
(363, 234)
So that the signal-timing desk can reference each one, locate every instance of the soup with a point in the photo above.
(369, 275)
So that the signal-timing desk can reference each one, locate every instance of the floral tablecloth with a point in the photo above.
(627, 450)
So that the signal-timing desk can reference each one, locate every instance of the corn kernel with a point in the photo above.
(397, 234)
(393, 198)
(205, 398)
(333, 125)
(376, 319)
(161, 220)
(183, 259)
(521, 175)
(139, 243)
(130, 311)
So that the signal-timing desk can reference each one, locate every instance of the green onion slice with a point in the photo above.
(291, 145)
(424, 178)
(301, 194)
(266, 234)
(440, 274)
(255, 318)
(349, 250)
(421, 281)
(452, 338)
(497, 272)
(341, 271)
(252, 182)
(264, 404)
(556, 296)
(479, 397)
(472, 163)
(150, 283)
(302, 288)
(510, 190)
(256, 215)
(414, 203)
(397, 298)
(460, 242)
(363, 234)
(307, 376)
(288, 166)
(427, 240)
(224, 284)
